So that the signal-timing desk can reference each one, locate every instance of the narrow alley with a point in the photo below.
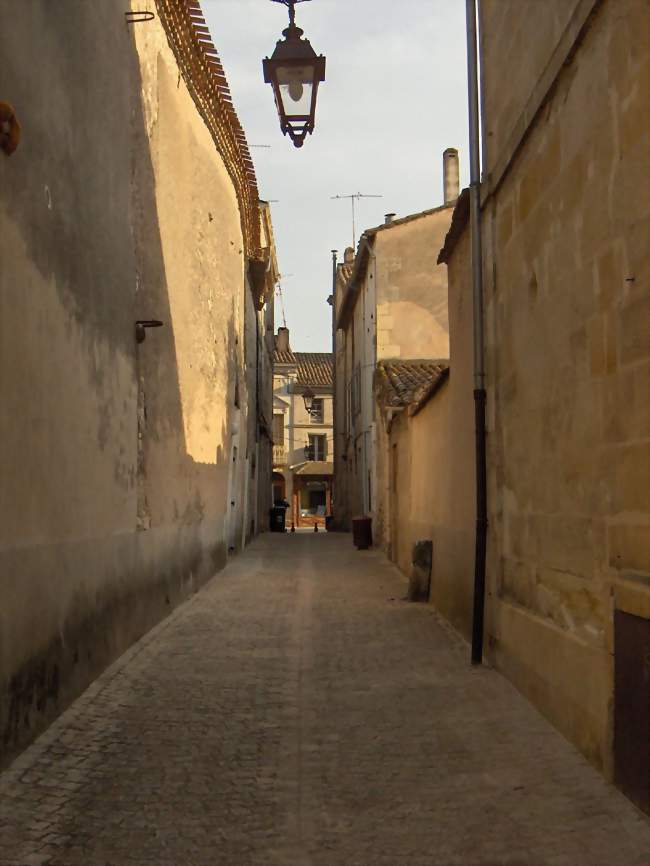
(297, 712)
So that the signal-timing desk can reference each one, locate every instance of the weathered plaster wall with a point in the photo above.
(400, 310)
(349, 480)
(115, 458)
(341, 503)
(412, 288)
(429, 493)
(251, 326)
(568, 372)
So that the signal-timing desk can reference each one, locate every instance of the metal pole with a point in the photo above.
(479, 337)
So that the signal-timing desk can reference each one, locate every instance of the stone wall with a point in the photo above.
(411, 290)
(521, 36)
(395, 306)
(568, 355)
(426, 473)
(117, 456)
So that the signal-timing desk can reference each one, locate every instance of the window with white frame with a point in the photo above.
(317, 448)
(317, 411)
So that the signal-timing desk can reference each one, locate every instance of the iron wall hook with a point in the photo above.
(138, 16)
(141, 328)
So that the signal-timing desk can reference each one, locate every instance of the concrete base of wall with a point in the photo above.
(148, 573)
(570, 682)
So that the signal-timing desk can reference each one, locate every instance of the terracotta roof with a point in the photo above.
(318, 467)
(401, 384)
(314, 368)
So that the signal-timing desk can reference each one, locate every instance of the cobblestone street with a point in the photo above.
(297, 712)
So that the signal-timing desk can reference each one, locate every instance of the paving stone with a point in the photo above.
(295, 712)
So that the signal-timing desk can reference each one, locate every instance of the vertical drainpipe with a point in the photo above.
(479, 337)
(334, 448)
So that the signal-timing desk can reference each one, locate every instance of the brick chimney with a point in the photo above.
(450, 174)
(388, 218)
(282, 340)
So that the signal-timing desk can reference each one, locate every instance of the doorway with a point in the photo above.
(632, 707)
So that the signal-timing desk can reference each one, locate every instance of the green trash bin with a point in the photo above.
(278, 518)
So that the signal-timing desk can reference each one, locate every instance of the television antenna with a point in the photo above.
(281, 296)
(355, 196)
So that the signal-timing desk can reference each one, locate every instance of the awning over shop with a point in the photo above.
(316, 467)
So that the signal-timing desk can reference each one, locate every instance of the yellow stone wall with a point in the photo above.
(517, 42)
(568, 358)
(426, 468)
(411, 290)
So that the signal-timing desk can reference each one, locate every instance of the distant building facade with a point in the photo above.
(302, 442)
(259, 345)
(391, 304)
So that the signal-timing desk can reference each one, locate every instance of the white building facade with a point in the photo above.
(303, 462)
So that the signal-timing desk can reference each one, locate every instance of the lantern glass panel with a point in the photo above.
(308, 397)
(296, 84)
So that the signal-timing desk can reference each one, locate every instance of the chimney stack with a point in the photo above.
(388, 218)
(348, 256)
(450, 174)
(282, 340)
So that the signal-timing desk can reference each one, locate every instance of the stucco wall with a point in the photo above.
(426, 470)
(116, 456)
(400, 311)
(349, 466)
(411, 288)
(568, 364)
(341, 504)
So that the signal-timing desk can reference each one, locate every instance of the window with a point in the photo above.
(317, 448)
(313, 499)
(317, 411)
(278, 429)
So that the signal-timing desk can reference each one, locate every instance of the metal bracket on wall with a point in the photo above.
(138, 16)
(141, 328)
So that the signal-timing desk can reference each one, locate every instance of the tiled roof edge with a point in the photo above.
(431, 391)
(458, 225)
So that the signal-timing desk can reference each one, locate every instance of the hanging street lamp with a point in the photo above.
(308, 397)
(295, 71)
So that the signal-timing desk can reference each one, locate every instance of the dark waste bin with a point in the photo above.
(278, 518)
(362, 532)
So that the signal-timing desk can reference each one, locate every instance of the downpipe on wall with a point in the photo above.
(478, 617)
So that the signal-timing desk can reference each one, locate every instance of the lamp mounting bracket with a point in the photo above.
(290, 4)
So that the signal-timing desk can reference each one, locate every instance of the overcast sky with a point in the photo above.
(394, 98)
